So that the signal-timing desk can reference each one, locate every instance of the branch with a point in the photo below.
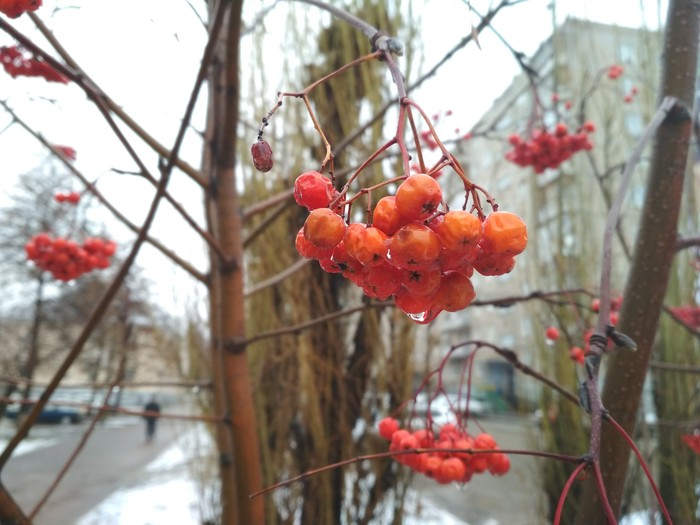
(309, 324)
(276, 279)
(614, 213)
(431, 72)
(690, 241)
(394, 453)
(512, 357)
(643, 464)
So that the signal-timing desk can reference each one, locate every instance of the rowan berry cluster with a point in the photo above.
(17, 64)
(688, 315)
(67, 152)
(545, 149)
(693, 441)
(615, 71)
(615, 305)
(410, 250)
(66, 259)
(71, 197)
(15, 8)
(576, 353)
(460, 459)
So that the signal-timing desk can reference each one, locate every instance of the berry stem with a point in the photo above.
(565, 492)
(643, 464)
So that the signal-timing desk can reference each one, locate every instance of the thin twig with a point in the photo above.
(642, 464)
(278, 278)
(395, 453)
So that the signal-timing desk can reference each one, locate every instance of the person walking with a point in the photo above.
(152, 411)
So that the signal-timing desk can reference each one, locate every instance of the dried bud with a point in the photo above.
(621, 340)
(262, 156)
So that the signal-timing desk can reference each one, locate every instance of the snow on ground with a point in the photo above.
(28, 445)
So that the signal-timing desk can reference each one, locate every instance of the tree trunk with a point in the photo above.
(237, 437)
(32, 359)
(653, 255)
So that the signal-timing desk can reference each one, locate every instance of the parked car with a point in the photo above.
(51, 414)
(442, 408)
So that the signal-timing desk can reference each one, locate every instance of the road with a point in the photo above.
(114, 458)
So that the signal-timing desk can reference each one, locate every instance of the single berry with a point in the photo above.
(262, 156)
(313, 190)
(387, 427)
(418, 197)
(324, 228)
(551, 333)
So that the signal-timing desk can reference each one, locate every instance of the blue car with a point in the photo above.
(51, 414)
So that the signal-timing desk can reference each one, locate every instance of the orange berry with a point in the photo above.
(431, 466)
(313, 190)
(371, 246)
(421, 281)
(494, 264)
(425, 437)
(485, 442)
(465, 443)
(504, 233)
(577, 354)
(351, 237)
(499, 464)
(324, 228)
(387, 427)
(455, 292)
(386, 217)
(396, 438)
(381, 281)
(418, 197)
(452, 469)
(414, 246)
(409, 303)
(460, 262)
(459, 231)
(308, 250)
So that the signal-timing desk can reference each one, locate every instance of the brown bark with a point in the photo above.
(654, 251)
(237, 441)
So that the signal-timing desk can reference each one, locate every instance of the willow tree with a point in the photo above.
(316, 389)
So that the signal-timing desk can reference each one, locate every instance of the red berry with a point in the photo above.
(551, 333)
(387, 427)
(313, 190)
(576, 353)
(324, 228)
(262, 156)
(418, 197)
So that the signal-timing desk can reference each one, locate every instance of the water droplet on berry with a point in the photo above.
(425, 317)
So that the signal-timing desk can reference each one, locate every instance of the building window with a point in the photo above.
(627, 53)
(634, 124)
